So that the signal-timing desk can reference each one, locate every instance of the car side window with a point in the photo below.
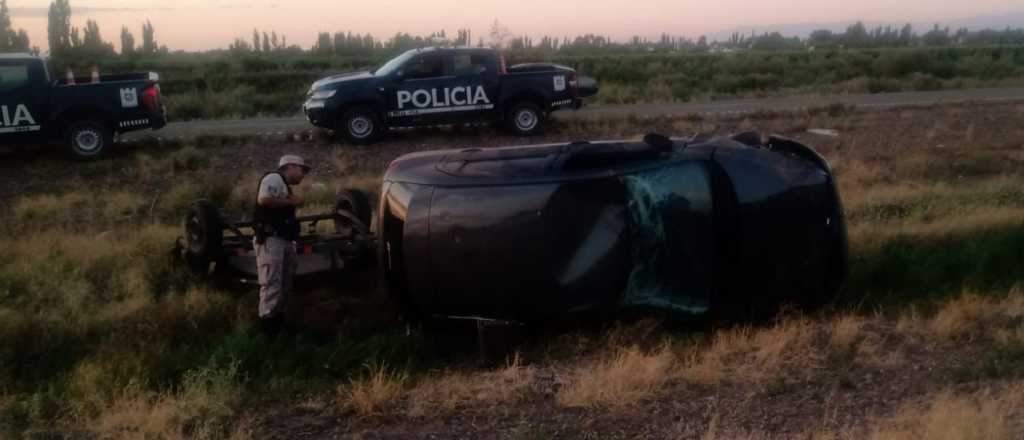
(672, 231)
(470, 64)
(13, 77)
(425, 66)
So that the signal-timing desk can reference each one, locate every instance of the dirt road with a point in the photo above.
(262, 126)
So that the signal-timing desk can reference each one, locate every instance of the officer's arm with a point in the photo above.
(280, 202)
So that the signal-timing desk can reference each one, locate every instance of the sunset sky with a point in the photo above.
(197, 25)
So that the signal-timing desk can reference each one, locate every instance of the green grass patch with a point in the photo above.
(999, 363)
(910, 268)
(933, 205)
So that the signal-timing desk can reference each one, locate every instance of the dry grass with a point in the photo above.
(379, 391)
(972, 316)
(747, 355)
(987, 415)
(206, 407)
(627, 376)
(846, 333)
(471, 391)
(1012, 309)
(983, 415)
(966, 316)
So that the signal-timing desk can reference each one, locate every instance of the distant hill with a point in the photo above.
(802, 30)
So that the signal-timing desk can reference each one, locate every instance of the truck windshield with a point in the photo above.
(391, 66)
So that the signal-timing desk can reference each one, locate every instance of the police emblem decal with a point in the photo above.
(129, 98)
(559, 83)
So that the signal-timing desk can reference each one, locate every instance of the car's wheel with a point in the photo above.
(204, 231)
(524, 118)
(360, 125)
(355, 203)
(89, 139)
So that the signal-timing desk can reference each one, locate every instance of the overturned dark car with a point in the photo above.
(718, 226)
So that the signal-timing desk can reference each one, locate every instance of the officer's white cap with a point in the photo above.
(291, 159)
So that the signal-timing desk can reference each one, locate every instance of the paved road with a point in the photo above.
(286, 125)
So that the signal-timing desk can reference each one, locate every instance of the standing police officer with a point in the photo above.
(277, 230)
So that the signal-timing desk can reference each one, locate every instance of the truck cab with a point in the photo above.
(37, 106)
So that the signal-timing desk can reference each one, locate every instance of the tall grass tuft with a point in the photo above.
(623, 378)
(376, 392)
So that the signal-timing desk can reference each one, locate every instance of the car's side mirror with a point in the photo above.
(480, 70)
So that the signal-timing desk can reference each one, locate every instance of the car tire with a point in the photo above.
(204, 232)
(355, 202)
(360, 125)
(88, 139)
(524, 118)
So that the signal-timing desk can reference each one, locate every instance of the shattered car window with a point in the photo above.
(672, 237)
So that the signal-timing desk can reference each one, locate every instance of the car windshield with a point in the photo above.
(393, 65)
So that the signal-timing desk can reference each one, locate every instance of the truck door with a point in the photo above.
(22, 99)
(476, 72)
(418, 95)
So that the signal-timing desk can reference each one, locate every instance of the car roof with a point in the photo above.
(533, 163)
(451, 49)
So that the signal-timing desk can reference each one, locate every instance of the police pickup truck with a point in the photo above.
(36, 106)
(432, 86)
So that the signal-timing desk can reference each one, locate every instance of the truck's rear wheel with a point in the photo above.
(524, 118)
(89, 139)
(360, 125)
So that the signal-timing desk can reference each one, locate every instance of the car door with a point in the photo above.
(476, 78)
(418, 95)
(22, 100)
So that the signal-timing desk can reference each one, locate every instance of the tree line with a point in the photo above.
(856, 36)
(11, 40)
(67, 41)
(86, 43)
(348, 44)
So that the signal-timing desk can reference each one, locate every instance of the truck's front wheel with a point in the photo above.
(524, 118)
(89, 139)
(360, 125)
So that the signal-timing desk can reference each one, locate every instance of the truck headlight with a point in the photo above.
(323, 94)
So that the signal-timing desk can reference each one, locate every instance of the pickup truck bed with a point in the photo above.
(84, 114)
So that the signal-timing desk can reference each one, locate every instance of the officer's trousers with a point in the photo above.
(276, 263)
